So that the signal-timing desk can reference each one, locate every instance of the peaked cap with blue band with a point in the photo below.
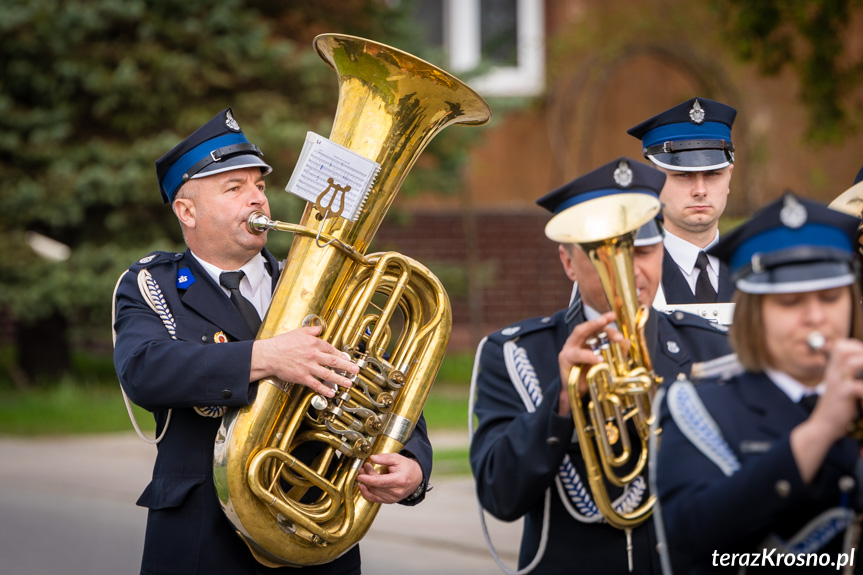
(217, 146)
(791, 245)
(693, 136)
(621, 176)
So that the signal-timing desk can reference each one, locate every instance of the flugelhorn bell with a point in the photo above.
(607, 217)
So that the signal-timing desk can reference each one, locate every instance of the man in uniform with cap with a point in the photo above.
(185, 349)
(757, 467)
(691, 144)
(525, 460)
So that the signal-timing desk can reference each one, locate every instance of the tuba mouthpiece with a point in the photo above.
(258, 223)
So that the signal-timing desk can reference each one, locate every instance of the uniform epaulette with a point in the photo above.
(523, 327)
(155, 258)
(724, 367)
(682, 318)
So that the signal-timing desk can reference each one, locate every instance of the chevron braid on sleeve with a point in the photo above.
(151, 290)
(570, 479)
(527, 375)
(699, 427)
(158, 303)
(576, 489)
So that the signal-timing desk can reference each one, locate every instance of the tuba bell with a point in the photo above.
(285, 466)
(622, 385)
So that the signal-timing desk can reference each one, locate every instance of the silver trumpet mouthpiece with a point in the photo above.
(816, 341)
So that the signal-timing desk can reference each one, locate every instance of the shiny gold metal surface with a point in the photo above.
(285, 466)
(850, 201)
(622, 385)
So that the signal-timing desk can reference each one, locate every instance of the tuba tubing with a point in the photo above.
(289, 507)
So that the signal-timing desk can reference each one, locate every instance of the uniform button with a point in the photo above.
(678, 315)
(226, 393)
(783, 488)
(552, 441)
(204, 338)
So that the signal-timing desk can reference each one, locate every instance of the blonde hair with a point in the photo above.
(747, 330)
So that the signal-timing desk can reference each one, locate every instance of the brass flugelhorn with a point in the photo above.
(285, 467)
(621, 387)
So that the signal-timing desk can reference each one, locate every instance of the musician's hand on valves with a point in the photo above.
(838, 407)
(836, 410)
(576, 352)
(402, 476)
(300, 356)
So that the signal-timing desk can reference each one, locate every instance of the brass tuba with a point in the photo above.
(285, 466)
(621, 387)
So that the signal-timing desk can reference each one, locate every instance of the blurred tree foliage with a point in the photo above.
(812, 37)
(93, 91)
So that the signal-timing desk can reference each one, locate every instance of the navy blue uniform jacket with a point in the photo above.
(707, 511)
(516, 454)
(677, 290)
(186, 529)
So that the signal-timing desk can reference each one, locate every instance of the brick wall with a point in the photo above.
(519, 273)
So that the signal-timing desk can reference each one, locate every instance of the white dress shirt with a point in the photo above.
(790, 386)
(684, 255)
(256, 286)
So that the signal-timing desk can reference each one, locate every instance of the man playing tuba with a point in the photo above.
(185, 337)
(524, 458)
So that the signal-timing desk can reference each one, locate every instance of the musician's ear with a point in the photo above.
(184, 208)
(566, 259)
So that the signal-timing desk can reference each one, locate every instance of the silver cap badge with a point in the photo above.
(793, 213)
(623, 174)
(230, 122)
(696, 114)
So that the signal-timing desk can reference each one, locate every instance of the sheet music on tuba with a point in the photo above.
(337, 180)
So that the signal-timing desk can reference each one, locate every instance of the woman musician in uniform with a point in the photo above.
(750, 476)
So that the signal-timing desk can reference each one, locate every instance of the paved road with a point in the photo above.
(67, 505)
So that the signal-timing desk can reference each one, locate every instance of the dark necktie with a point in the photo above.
(231, 282)
(808, 402)
(704, 291)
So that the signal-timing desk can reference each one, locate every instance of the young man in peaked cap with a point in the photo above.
(691, 144)
(525, 460)
(185, 349)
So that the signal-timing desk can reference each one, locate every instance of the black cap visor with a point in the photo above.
(693, 160)
(649, 234)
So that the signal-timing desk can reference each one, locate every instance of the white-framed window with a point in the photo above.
(507, 37)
